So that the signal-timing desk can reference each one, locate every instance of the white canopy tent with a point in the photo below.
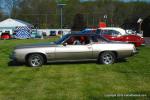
(10, 24)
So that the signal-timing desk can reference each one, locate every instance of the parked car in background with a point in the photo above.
(52, 33)
(130, 31)
(119, 34)
(36, 34)
(73, 47)
(5, 36)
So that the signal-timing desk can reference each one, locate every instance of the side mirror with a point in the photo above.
(64, 44)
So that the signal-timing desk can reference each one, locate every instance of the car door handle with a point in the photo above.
(89, 47)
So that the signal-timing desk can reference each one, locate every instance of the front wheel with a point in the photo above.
(107, 58)
(35, 60)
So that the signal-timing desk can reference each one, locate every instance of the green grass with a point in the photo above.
(73, 81)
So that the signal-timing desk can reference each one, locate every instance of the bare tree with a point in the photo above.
(9, 5)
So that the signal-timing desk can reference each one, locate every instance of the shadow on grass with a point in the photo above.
(83, 62)
(16, 64)
(121, 60)
(71, 63)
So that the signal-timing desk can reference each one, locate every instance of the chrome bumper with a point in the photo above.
(12, 57)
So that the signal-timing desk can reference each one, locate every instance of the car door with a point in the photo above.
(73, 51)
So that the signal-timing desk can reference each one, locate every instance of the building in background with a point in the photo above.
(9, 25)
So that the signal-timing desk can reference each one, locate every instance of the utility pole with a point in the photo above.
(105, 18)
(61, 15)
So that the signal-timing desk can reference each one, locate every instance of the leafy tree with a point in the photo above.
(62, 1)
(79, 23)
(69, 11)
(45, 13)
(146, 26)
(9, 5)
(1, 15)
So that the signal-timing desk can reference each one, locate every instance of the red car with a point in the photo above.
(5, 36)
(118, 34)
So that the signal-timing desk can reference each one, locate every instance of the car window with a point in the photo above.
(84, 40)
(70, 40)
(98, 38)
(98, 31)
(114, 33)
(107, 32)
(77, 40)
(61, 40)
(94, 38)
(110, 32)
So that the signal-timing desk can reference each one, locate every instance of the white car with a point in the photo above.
(119, 34)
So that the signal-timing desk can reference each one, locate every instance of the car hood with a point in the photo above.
(50, 44)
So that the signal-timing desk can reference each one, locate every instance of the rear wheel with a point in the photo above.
(35, 60)
(107, 58)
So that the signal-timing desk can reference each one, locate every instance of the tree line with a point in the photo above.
(46, 13)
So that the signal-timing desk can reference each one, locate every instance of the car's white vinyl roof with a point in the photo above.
(122, 31)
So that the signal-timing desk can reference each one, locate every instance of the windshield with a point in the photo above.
(104, 39)
(62, 39)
